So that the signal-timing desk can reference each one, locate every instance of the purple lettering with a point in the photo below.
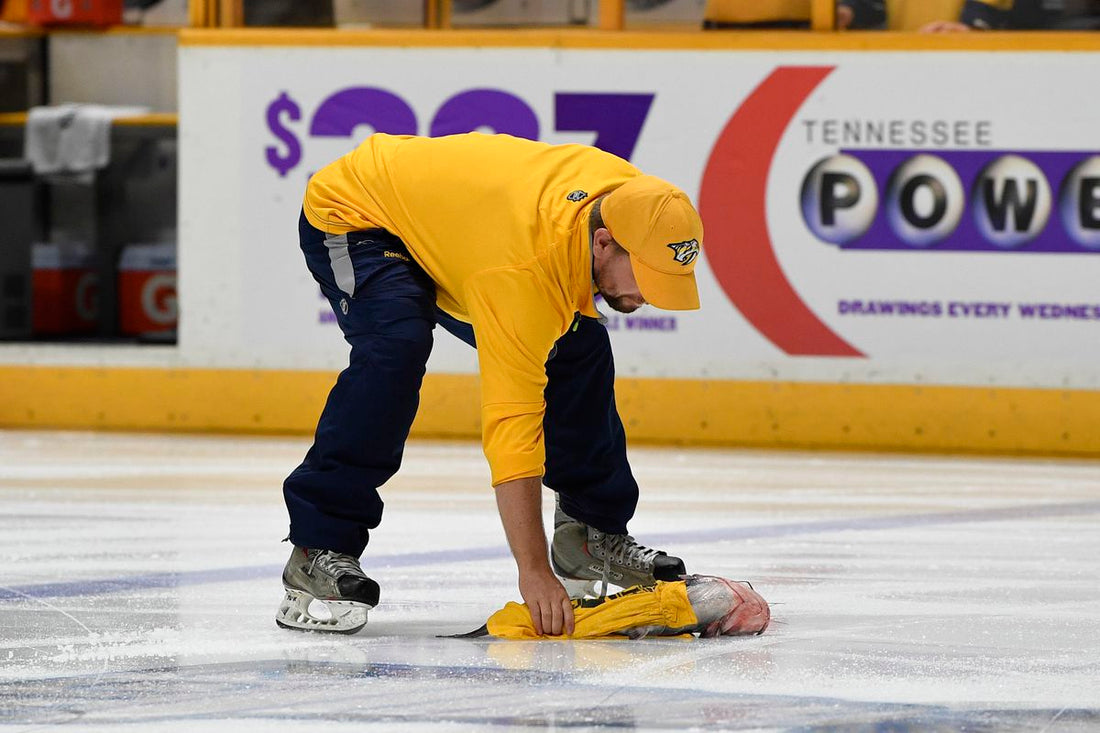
(343, 111)
(617, 119)
(492, 108)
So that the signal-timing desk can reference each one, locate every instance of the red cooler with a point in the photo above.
(66, 289)
(75, 12)
(147, 289)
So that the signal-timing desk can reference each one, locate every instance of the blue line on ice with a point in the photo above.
(497, 552)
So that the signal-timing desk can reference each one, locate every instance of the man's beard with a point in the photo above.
(619, 304)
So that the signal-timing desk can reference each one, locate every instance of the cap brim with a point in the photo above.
(667, 292)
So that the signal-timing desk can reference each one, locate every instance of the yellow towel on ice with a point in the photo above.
(665, 605)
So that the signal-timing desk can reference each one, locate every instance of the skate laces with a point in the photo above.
(335, 564)
(621, 549)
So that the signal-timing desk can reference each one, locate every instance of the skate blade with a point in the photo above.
(344, 617)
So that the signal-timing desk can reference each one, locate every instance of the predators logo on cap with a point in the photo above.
(685, 252)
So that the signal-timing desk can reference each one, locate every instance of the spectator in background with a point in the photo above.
(857, 14)
(275, 13)
(1022, 15)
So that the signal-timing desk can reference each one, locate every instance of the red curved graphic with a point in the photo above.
(732, 202)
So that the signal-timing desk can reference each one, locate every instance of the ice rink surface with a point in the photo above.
(139, 577)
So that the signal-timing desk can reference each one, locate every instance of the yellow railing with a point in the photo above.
(823, 15)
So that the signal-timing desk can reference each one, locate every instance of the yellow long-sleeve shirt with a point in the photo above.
(500, 224)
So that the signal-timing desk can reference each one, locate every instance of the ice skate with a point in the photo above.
(325, 591)
(583, 556)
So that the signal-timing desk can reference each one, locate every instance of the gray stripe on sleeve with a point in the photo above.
(340, 259)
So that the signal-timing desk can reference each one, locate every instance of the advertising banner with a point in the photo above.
(871, 217)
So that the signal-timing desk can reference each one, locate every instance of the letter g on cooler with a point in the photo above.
(839, 199)
(158, 299)
(61, 9)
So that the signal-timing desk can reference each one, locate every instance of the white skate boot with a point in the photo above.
(325, 591)
(582, 556)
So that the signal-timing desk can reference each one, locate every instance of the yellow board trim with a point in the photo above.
(153, 119)
(672, 411)
(650, 41)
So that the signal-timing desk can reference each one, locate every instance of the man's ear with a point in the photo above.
(601, 239)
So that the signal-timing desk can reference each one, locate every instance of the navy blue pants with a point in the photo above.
(385, 306)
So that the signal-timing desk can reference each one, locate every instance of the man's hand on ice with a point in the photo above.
(551, 610)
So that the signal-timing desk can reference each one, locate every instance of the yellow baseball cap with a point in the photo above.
(655, 222)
